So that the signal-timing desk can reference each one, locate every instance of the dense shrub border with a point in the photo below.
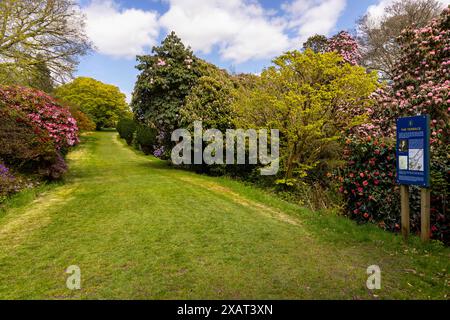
(35, 134)
(127, 128)
(366, 171)
(45, 112)
(141, 137)
(420, 86)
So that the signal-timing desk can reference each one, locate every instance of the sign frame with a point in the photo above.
(413, 131)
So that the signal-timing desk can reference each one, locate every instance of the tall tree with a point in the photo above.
(312, 99)
(104, 103)
(41, 77)
(37, 76)
(378, 35)
(166, 79)
(36, 31)
(317, 43)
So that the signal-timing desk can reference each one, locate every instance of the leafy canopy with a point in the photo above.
(104, 103)
(378, 36)
(165, 80)
(210, 100)
(311, 98)
(38, 31)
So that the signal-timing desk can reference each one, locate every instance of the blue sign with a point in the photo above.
(413, 151)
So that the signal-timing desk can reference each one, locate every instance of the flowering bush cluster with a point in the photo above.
(159, 148)
(420, 86)
(7, 182)
(10, 183)
(422, 80)
(45, 112)
(166, 79)
(344, 44)
(368, 182)
(22, 143)
(35, 132)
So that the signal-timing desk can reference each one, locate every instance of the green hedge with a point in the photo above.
(126, 129)
(139, 136)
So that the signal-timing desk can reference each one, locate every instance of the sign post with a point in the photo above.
(404, 194)
(425, 214)
(413, 168)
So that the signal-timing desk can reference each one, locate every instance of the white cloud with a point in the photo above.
(241, 29)
(376, 11)
(310, 17)
(120, 32)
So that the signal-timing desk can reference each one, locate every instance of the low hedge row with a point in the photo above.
(138, 135)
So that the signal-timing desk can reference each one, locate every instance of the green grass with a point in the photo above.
(139, 229)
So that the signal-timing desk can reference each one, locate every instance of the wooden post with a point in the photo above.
(425, 199)
(404, 192)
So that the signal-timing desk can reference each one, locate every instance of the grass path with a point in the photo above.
(141, 230)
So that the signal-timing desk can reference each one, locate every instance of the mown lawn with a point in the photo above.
(139, 229)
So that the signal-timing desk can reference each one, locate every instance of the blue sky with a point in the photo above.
(242, 35)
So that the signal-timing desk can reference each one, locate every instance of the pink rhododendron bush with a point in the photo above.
(344, 44)
(45, 112)
(35, 133)
(420, 86)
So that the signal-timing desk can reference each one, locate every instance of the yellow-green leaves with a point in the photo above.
(311, 98)
(104, 103)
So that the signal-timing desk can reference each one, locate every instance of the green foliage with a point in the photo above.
(145, 138)
(104, 103)
(23, 144)
(317, 43)
(7, 183)
(141, 137)
(166, 79)
(126, 128)
(40, 77)
(84, 123)
(37, 76)
(368, 183)
(210, 101)
(311, 98)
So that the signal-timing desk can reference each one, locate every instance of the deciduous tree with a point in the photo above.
(32, 32)
(166, 79)
(311, 98)
(378, 36)
(317, 43)
(104, 103)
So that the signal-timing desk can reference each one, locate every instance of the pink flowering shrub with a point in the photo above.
(35, 132)
(45, 112)
(345, 45)
(368, 182)
(422, 80)
(420, 86)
